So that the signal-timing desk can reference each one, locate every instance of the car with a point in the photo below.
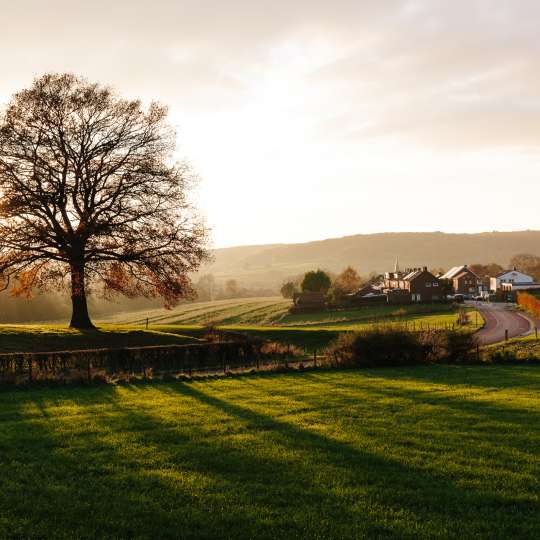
(479, 298)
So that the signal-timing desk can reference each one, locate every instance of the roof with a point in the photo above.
(411, 275)
(504, 272)
(454, 271)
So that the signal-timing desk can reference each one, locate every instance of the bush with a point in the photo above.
(380, 346)
(397, 346)
(447, 345)
(529, 303)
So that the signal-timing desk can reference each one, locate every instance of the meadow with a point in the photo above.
(263, 318)
(275, 312)
(42, 338)
(434, 451)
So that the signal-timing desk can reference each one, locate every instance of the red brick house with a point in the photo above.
(413, 285)
(463, 280)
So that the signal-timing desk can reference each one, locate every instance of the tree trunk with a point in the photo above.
(79, 315)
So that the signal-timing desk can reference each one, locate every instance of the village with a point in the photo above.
(419, 285)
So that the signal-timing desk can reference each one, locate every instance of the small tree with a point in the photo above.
(348, 281)
(89, 191)
(288, 289)
(206, 287)
(316, 281)
(231, 288)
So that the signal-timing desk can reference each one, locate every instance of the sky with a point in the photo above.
(309, 119)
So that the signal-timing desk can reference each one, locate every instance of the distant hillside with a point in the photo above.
(268, 265)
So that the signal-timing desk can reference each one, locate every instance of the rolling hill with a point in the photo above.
(268, 265)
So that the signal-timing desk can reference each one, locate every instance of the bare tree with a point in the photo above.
(89, 190)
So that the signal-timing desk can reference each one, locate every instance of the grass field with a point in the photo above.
(274, 312)
(435, 451)
(261, 318)
(522, 348)
(29, 337)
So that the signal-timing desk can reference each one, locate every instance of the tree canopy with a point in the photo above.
(316, 281)
(90, 191)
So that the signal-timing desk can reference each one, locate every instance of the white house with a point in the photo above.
(511, 277)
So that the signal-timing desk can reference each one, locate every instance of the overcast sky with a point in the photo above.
(309, 119)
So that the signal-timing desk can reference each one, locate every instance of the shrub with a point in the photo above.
(380, 346)
(397, 346)
(529, 303)
(447, 345)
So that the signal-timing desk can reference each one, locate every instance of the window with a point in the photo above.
(428, 284)
(435, 283)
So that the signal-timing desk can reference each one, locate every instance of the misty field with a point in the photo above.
(275, 312)
(256, 317)
(259, 318)
(435, 451)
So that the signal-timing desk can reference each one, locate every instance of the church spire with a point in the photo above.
(396, 267)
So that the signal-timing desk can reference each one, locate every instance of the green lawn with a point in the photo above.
(30, 337)
(310, 331)
(440, 451)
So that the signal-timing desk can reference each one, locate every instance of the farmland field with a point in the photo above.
(435, 451)
(266, 318)
(274, 312)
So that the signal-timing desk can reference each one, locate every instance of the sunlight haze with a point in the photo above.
(309, 120)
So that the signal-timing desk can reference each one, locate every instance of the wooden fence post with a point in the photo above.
(506, 335)
(315, 358)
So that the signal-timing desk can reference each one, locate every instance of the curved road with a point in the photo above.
(499, 318)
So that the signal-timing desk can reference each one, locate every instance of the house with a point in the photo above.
(463, 280)
(509, 276)
(308, 301)
(413, 285)
(367, 295)
(519, 287)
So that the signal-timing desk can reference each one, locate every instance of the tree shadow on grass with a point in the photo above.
(109, 476)
(428, 496)
(230, 472)
(482, 376)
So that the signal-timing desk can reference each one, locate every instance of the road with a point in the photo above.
(499, 318)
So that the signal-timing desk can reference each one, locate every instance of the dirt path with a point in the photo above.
(499, 318)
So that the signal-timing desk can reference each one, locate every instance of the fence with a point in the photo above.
(142, 361)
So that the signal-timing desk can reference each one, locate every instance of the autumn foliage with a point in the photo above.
(529, 303)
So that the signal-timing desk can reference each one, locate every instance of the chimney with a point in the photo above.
(424, 269)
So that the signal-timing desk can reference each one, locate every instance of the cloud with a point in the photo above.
(310, 98)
